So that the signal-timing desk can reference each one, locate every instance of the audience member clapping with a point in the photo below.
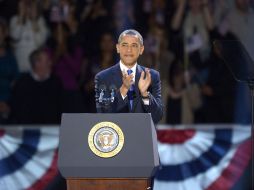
(67, 58)
(195, 27)
(28, 31)
(184, 97)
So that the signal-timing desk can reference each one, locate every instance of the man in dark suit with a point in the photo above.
(127, 86)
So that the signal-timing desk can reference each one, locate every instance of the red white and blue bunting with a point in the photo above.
(28, 157)
(202, 157)
(211, 157)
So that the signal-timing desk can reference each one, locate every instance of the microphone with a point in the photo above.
(112, 94)
(102, 89)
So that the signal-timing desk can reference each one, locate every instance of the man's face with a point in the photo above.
(129, 50)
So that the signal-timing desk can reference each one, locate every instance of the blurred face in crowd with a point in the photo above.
(42, 66)
(178, 80)
(243, 5)
(195, 5)
(34, 12)
(22, 6)
(159, 4)
(64, 2)
(107, 43)
(2, 35)
(60, 33)
(129, 49)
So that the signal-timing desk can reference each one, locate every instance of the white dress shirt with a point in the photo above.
(124, 70)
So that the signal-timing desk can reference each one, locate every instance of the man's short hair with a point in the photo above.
(131, 32)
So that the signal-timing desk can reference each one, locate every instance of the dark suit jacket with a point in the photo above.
(112, 78)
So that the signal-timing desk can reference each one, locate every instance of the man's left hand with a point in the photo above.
(144, 82)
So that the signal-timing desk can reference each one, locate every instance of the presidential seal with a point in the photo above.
(106, 139)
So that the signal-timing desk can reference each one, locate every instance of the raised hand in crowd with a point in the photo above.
(60, 37)
(207, 14)
(71, 20)
(33, 15)
(178, 16)
(22, 12)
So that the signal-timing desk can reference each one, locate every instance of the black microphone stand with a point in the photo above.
(241, 66)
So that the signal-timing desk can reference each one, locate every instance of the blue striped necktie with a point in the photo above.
(131, 90)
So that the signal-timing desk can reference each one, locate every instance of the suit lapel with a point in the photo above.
(117, 76)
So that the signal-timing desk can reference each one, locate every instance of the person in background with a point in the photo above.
(136, 89)
(196, 25)
(158, 56)
(36, 96)
(96, 19)
(67, 56)
(195, 29)
(124, 15)
(184, 97)
(61, 11)
(28, 32)
(219, 91)
(106, 58)
(8, 71)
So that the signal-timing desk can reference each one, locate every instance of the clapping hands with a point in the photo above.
(127, 80)
(144, 82)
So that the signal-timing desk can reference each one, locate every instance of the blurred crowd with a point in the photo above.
(50, 51)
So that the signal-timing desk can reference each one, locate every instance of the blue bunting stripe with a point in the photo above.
(23, 154)
(221, 145)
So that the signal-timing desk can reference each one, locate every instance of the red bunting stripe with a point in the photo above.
(173, 136)
(235, 169)
(49, 175)
(2, 131)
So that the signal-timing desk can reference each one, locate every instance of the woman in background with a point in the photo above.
(28, 32)
(67, 58)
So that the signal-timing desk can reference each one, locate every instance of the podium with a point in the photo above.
(108, 151)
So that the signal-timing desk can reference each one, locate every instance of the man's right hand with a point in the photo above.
(127, 82)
